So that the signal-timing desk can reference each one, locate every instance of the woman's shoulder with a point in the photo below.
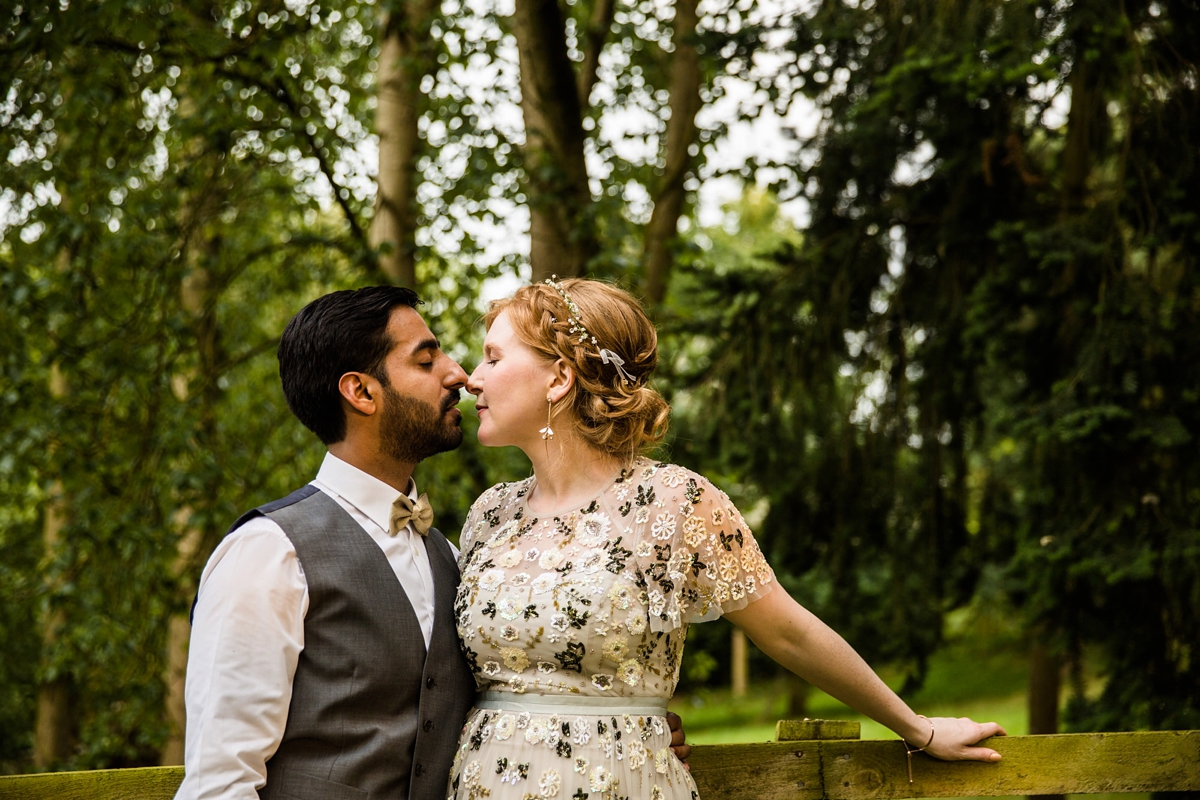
(677, 480)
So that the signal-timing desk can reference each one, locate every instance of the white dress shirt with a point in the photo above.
(249, 630)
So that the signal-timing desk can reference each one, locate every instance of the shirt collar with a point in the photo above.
(365, 492)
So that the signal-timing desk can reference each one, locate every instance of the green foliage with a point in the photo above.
(163, 227)
(979, 355)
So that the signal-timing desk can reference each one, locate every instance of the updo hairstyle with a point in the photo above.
(618, 418)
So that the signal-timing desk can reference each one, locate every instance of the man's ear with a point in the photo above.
(360, 391)
(561, 380)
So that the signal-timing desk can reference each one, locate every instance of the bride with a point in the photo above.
(579, 583)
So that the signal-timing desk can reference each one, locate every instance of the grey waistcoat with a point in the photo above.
(372, 714)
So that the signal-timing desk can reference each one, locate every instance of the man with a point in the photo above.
(324, 661)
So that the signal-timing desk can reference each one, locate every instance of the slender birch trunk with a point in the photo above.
(739, 657)
(402, 64)
(54, 721)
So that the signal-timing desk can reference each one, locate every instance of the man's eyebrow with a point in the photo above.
(426, 344)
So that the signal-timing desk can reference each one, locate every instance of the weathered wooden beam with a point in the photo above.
(1080, 763)
(771, 771)
(1074, 763)
(147, 783)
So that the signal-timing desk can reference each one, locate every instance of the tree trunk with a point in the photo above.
(179, 631)
(1045, 671)
(52, 726)
(798, 691)
(659, 257)
(739, 660)
(197, 294)
(402, 64)
(1086, 106)
(596, 35)
(562, 234)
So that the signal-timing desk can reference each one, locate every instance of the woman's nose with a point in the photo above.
(475, 382)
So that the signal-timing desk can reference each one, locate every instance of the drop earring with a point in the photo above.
(548, 432)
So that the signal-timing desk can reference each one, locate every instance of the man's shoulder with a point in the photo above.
(303, 493)
(247, 554)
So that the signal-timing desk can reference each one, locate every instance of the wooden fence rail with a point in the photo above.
(815, 760)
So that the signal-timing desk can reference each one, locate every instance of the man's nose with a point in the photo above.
(457, 377)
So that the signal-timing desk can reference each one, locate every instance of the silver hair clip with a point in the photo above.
(609, 357)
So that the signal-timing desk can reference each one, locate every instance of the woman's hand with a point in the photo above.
(953, 739)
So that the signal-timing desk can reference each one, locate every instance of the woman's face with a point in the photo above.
(510, 385)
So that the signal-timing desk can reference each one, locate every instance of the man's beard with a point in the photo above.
(412, 430)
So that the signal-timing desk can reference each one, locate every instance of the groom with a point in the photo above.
(324, 660)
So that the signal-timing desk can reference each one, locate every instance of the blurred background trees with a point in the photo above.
(961, 383)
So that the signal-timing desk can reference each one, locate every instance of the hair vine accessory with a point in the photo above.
(909, 749)
(575, 318)
(577, 327)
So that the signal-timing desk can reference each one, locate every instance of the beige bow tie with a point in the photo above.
(404, 510)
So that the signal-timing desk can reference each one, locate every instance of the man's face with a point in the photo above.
(419, 416)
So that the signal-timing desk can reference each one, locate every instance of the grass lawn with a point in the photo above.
(715, 719)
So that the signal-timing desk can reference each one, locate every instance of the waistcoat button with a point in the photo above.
(430, 682)
(418, 769)
(428, 725)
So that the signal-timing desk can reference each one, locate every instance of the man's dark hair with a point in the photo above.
(341, 332)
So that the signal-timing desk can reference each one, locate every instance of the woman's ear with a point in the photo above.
(561, 380)
(359, 390)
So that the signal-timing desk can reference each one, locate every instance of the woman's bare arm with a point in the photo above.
(795, 638)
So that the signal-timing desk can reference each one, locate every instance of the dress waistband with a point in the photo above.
(572, 704)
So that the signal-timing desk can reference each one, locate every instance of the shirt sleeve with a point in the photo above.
(247, 635)
(697, 553)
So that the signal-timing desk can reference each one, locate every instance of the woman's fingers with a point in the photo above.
(992, 729)
(980, 754)
(954, 739)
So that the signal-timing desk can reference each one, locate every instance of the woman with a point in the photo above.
(579, 583)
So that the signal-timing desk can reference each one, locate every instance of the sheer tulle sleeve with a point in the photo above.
(697, 553)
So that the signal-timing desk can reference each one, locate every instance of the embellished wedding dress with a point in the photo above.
(574, 625)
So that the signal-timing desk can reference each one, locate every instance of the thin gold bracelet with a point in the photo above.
(909, 750)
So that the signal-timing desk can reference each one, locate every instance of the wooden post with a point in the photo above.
(1045, 678)
(739, 663)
